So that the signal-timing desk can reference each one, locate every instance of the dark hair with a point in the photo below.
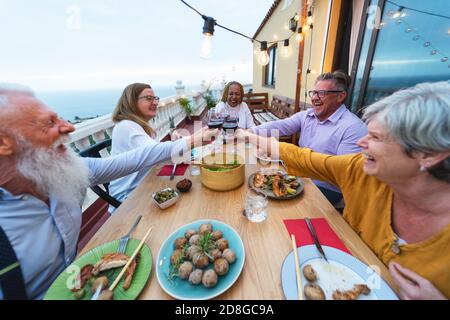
(341, 79)
(126, 108)
(227, 88)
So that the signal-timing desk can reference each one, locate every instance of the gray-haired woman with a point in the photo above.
(397, 190)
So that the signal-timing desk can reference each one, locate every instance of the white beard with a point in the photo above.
(62, 174)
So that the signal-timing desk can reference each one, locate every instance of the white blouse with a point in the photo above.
(242, 110)
(128, 135)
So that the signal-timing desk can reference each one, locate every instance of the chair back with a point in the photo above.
(95, 151)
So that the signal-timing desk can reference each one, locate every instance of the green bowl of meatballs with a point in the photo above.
(200, 260)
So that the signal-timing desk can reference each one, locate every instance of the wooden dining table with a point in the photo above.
(266, 244)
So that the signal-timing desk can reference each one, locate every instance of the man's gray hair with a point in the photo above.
(12, 88)
(419, 119)
(8, 89)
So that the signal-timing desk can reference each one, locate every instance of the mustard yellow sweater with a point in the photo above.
(368, 203)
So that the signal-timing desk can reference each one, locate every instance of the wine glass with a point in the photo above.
(214, 119)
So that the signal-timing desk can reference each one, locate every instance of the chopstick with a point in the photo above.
(297, 270)
(114, 284)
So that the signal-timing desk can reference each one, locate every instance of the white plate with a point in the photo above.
(341, 272)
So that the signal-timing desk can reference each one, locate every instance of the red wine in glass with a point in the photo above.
(215, 124)
(230, 126)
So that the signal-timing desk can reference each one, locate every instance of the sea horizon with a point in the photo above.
(87, 103)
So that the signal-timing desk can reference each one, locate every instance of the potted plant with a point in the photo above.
(186, 104)
(210, 101)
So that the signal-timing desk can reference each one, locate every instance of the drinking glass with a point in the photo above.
(214, 119)
(256, 206)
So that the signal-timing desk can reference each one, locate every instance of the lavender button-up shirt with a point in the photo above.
(336, 135)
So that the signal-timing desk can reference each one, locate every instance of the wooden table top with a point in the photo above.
(266, 244)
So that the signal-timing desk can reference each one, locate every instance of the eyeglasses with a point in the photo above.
(149, 98)
(322, 93)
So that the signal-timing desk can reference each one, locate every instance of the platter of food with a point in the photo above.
(200, 260)
(343, 277)
(276, 185)
(102, 265)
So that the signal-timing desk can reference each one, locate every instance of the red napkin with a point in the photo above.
(326, 235)
(167, 170)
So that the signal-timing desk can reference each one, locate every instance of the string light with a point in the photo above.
(401, 13)
(263, 57)
(286, 50)
(299, 36)
(309, 18)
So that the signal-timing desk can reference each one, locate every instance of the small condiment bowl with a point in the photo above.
(168, 202)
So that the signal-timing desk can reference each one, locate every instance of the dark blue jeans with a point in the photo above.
(331, 195)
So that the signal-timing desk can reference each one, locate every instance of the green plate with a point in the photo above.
(59, 290)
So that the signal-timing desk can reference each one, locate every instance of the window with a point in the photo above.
(270, 68)
(411, 46)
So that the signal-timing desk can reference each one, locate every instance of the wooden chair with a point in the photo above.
(257, 102)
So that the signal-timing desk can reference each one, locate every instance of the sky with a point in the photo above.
(100, 44)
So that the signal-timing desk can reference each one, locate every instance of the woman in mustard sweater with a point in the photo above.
(397, 191)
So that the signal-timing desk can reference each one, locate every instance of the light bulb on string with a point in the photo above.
(399, 13)
(299, 36)
(208, 31)
(206, 48)
(263, 56)
(309, 18)
(433, 52)
(286, 49)
(444, 59)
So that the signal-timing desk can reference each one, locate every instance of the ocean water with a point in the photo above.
(90, 103)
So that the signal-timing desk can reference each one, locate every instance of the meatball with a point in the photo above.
(215, 254)
(176, 256)
(216, 235)
(196, 276)
(191, 251)
(222, 244)
(185, 269)
(209, 278)
(205, 228)
(189, 233)
(194, 240)
(229, 255)
(314, 292)
(221, 266)
(309, 273)
(200, 259)
(180, 242)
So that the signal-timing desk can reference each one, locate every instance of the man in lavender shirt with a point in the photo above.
(328, 127)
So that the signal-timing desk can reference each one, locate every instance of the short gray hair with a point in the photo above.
(419, 119)
(341, 79)
(12, 88)
(8, 89)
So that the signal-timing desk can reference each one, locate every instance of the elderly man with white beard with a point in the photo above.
(42, 187)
